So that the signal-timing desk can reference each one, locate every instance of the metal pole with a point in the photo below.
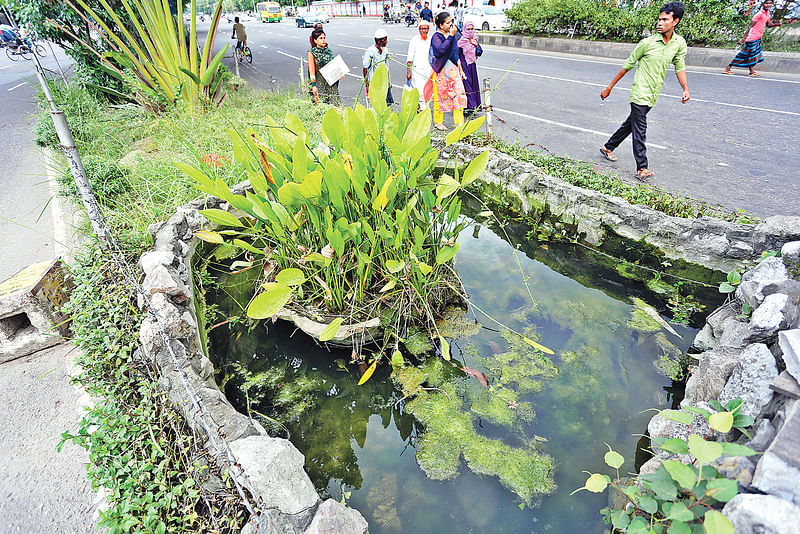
(488, 107)
(58, 63)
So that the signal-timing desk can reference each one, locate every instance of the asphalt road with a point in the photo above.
(735, 143)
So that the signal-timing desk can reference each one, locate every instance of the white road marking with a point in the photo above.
(18, 85)
(6, 67)
(353, 47)
(557, 78)
(263, 46)
(288, 55)
(570, 126)
(612, 61)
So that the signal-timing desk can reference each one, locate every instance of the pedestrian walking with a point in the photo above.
(363, 11)
(653, 54)
(419, 67)
(319, 56)
(469, 52)
(448, 85)
(750, 54)
(426, 13)
(374, 56)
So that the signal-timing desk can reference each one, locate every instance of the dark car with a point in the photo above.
(307, 20)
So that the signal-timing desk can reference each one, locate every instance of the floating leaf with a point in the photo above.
(269, 302)
(368, 372)
(477, 375)
(596, 483)
(536, 345)
(705, 451)
(331, 329)
(209, 236)
(291, 277)
(721, 421)
(445, 348)
(715, 522)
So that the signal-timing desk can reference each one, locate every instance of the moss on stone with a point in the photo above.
(641, 319)
(382, 503)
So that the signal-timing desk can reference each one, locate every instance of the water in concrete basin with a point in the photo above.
(360, 447)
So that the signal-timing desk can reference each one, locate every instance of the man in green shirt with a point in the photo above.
(653, 54)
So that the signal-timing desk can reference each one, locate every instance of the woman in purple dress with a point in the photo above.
(470, 51)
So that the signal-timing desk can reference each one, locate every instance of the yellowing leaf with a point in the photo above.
(446, 186)
(596, 483)
(269, 302)
(395, 266)
(721, 421)
(705, 451)
(424, 268)
(209, 236)
(331, 329)
(445, 348)
(536, 345)
(382, 199)
(368, 372)
(388, 287)
(397, 358)
(291, 277)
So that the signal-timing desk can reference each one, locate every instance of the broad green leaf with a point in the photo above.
(212, 68)
(424, 268)
(614, 459)
(638, 526)
(596, 483)
(734, 449)
(332, 129)
(679, 512)
(648, 504)
(291, 194)
(290, 277)
(717, 405)
(475, 168)
(206, 183)
(673, 445)
(721, 421)
(268, 303)
(446, 254)
(445, 348)
(722, 489)
(368, 372)
(696, 410)
(330, 332)
(378, 87)
(725, 287)
(661, 483)
(463, 131)
(620, 519)
(446, 186)
(419, 128)
(395, 266)
(733, 406)
(678, 416)
(734, 277)
(705, 451)
(221, 217)
(209, 236)
(388, 286)
(679, 527)
(741, 420)
(536, 345)
(397, 358)
(715, 522)
(683, 474)
(311, 188)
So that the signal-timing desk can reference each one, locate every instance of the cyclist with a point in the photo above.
(9, 36)
(239, 34)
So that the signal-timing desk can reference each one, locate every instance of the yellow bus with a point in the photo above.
(269, 11)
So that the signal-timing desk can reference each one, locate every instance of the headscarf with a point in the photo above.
(322, 56)
(470, 55)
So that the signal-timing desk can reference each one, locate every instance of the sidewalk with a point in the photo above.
(780, 62)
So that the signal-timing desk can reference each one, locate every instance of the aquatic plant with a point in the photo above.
(357, 224)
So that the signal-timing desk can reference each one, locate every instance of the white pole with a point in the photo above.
(488, 107)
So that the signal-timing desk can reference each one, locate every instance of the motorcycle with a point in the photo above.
(411, 19)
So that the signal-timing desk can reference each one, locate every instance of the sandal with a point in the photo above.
(441, 127)
(608, 154)
(727, 72)
(644, 174)
(754, 74)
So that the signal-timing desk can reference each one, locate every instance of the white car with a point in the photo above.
(486, 18)
(322, 15)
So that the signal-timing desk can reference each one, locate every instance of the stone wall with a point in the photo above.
(742, 357)
(713, 243)
(272, 469)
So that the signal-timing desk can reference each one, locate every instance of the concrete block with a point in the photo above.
(30, 301)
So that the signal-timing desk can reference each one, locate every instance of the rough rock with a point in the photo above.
(333, 517)
(778, 471)
(762, 435)
(738, 468)
(767, 318)
(275, 473)
(161, 280)
(650, 466)
(789, 343)
(750, 379)
(734, 333)
(790, 252)
(711, 375)
(716, 318)
(178, 324)
(762, 514)
(661, 427)
(705, 340)
(152, 259)
(769, 271)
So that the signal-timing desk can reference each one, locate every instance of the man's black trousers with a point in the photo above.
(636, 123)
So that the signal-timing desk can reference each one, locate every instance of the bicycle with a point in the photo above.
(23, 48)
(243, 53)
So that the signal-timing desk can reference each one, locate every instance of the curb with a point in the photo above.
(779, 62)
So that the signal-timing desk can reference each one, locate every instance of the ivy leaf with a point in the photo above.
(368, 372)
(681, 473)
(331, 329)
(677, 416)
(722, 489)
(715, 522)
(705, 451)
(721, 421)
